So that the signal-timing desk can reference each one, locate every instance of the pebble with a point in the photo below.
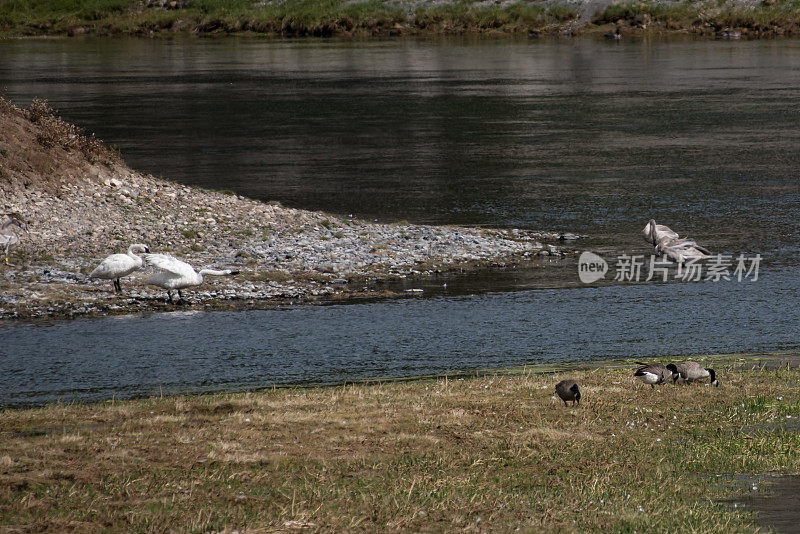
(113, 207)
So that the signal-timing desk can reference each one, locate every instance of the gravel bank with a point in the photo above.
(90, 204)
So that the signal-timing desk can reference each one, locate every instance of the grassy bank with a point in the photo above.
(293, 17)
(492, 452)
(386, 17)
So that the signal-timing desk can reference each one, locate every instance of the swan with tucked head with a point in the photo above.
(172, 273)
(681, 250)
(653, 232)
(116, 266)
(8, 234)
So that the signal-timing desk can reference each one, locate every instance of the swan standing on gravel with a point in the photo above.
(172, 273)
(116, 266)
(8, 234)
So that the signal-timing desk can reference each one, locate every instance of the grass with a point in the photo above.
(373, 17)
(464, 16)
(692, 15)
(490, 452)
(57, 132)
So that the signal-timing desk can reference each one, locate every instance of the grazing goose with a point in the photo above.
(653, 232)
(8, 234)
(172, 273)
(653, 373)
(116, 266)
(689, 372)
(569, 390)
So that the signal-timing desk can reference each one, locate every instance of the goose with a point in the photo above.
(8, 234)
(653, 232)
(653, 373)
(569, 390)
(616, 35)
(172, 273)
(689, 372)
(116, 266)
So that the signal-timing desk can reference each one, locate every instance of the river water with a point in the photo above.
(576, 135)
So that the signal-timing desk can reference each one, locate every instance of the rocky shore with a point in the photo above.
(81, 203)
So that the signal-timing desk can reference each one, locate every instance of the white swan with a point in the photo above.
(172, 273)
(681, 244)
(681, 250)
(8, 234)
(116, 266)
(653, 232)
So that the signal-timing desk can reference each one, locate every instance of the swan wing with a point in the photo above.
(170, 264)
(165, 279)
(115, 266)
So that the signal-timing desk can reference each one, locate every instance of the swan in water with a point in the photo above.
(172, 273)
(8, 234)
(116, 266)
(680, 250)
(653, 232)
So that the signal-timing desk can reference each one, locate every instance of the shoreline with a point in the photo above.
(491, 451)
(768, 360)
(401, 18)
(82, 203)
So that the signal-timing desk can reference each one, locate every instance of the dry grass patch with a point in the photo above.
(495, 452)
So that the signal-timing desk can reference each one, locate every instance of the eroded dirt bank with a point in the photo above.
(81, 203)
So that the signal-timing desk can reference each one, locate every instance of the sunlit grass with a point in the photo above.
(369, 17)
(689, 14)
(493, 451)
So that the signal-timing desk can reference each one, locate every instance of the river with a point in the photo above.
(575, 135)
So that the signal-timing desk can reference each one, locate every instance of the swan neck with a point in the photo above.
(132, 254)
(213, 272)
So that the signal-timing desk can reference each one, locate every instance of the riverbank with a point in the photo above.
(81, 203)
(494, 452)
(345, 18)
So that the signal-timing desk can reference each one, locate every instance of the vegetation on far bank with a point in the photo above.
(386, 17)
(495, 451)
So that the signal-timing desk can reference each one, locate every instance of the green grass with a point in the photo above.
(490, 452)
(464, 16)
(683, 12)
(690, 14)
(369, 17)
